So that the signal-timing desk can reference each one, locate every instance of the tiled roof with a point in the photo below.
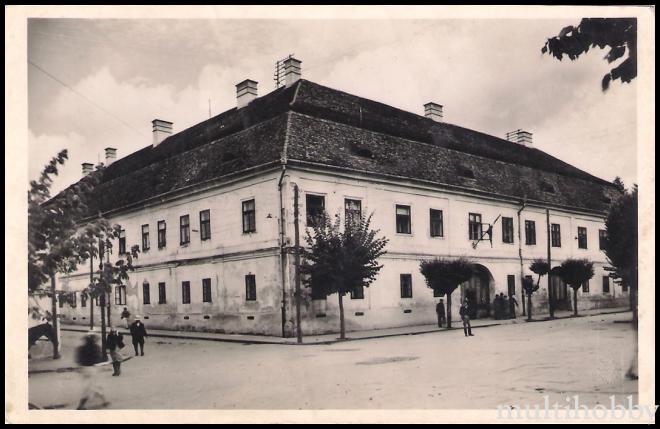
(333, 129)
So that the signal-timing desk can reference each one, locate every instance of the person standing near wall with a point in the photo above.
(126, 315)
(440, 311)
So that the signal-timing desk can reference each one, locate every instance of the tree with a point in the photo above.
(529, 287)
(575, 272)
(619, 184)
(541, 268)
(621, 243)
(619, 34)
(339, 261)
(445, 275)
(57, 241)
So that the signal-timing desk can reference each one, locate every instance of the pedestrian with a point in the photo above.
(126, 315)
(465, 317)
(88, 356)
(114, 342)
(505, 307)
(497, 307)
(513, 303)
(138, 333)
(440, 311)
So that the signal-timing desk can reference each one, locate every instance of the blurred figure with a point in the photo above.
(114, 343)
(138, 333)
(440, 311)
(88, 355)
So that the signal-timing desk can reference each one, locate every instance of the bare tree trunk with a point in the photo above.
(529, 307)
(449, 310)
(342, 329)
(575, 310)
(103, 337)
(56, 330)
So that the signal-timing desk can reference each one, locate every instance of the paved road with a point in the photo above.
(510, 364)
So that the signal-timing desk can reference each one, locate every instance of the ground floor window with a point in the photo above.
(606, 284)
(206, 290)
(406, 285)
(162, 295)
(250, 288)
(185, 292)
(358, 293)
(146, 293)
(120, 295)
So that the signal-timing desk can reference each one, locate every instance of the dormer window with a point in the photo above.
(466, 172)
(361, 151)
(547, 187)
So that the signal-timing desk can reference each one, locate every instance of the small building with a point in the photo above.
(211, 208)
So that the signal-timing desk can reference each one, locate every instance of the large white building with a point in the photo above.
(212, 207)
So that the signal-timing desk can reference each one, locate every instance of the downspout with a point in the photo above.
(281, 225)
(522, 289)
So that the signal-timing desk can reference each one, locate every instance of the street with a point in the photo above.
(508, 364)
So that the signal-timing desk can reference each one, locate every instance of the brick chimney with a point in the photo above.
(246, 91)
(110, 155)
(87, 167)
(161, 130)
(292, 71)
(521, 137)
(433, 111)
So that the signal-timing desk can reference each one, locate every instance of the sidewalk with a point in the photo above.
(350, 336)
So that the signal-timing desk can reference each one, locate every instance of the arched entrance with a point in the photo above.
(477, 291)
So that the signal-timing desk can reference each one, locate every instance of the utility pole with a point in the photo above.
(297, 261)
(56, 324)
(108, 250)
(551, 301)
(101, 298)
(91, 301)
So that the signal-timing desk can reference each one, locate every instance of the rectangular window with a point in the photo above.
(122, 242)
(606, 284)
(358, 293)
(206, 290)
(315, 206)
(184, 229)
(403, 219)
(511, 283)
(250, 288)
(406, 285)
(162, 229)
(146, 294)
(507, 230)
(352, 211)
(120, 295)
(474, 226)
(602, 239)
(83, 299)
(249, 217)
(585, 287)
(530, 232)
(435, 219)
(72, 299)
(162, 293)
(555, 232)
(582, 237)
(185, 292)
(205, 224)
(145, 237)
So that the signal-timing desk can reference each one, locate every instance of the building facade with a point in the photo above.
(212, 211)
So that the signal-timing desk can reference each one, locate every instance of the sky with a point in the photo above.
(97, 83)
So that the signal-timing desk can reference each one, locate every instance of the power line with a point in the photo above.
(85, 98)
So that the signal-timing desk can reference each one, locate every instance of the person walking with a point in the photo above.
(505, 307)
(114, 342)
(138, 334)
(464, 312)
(126, 315)
(440, 311)
(497, 307)
(88, 356)
(513, 303)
